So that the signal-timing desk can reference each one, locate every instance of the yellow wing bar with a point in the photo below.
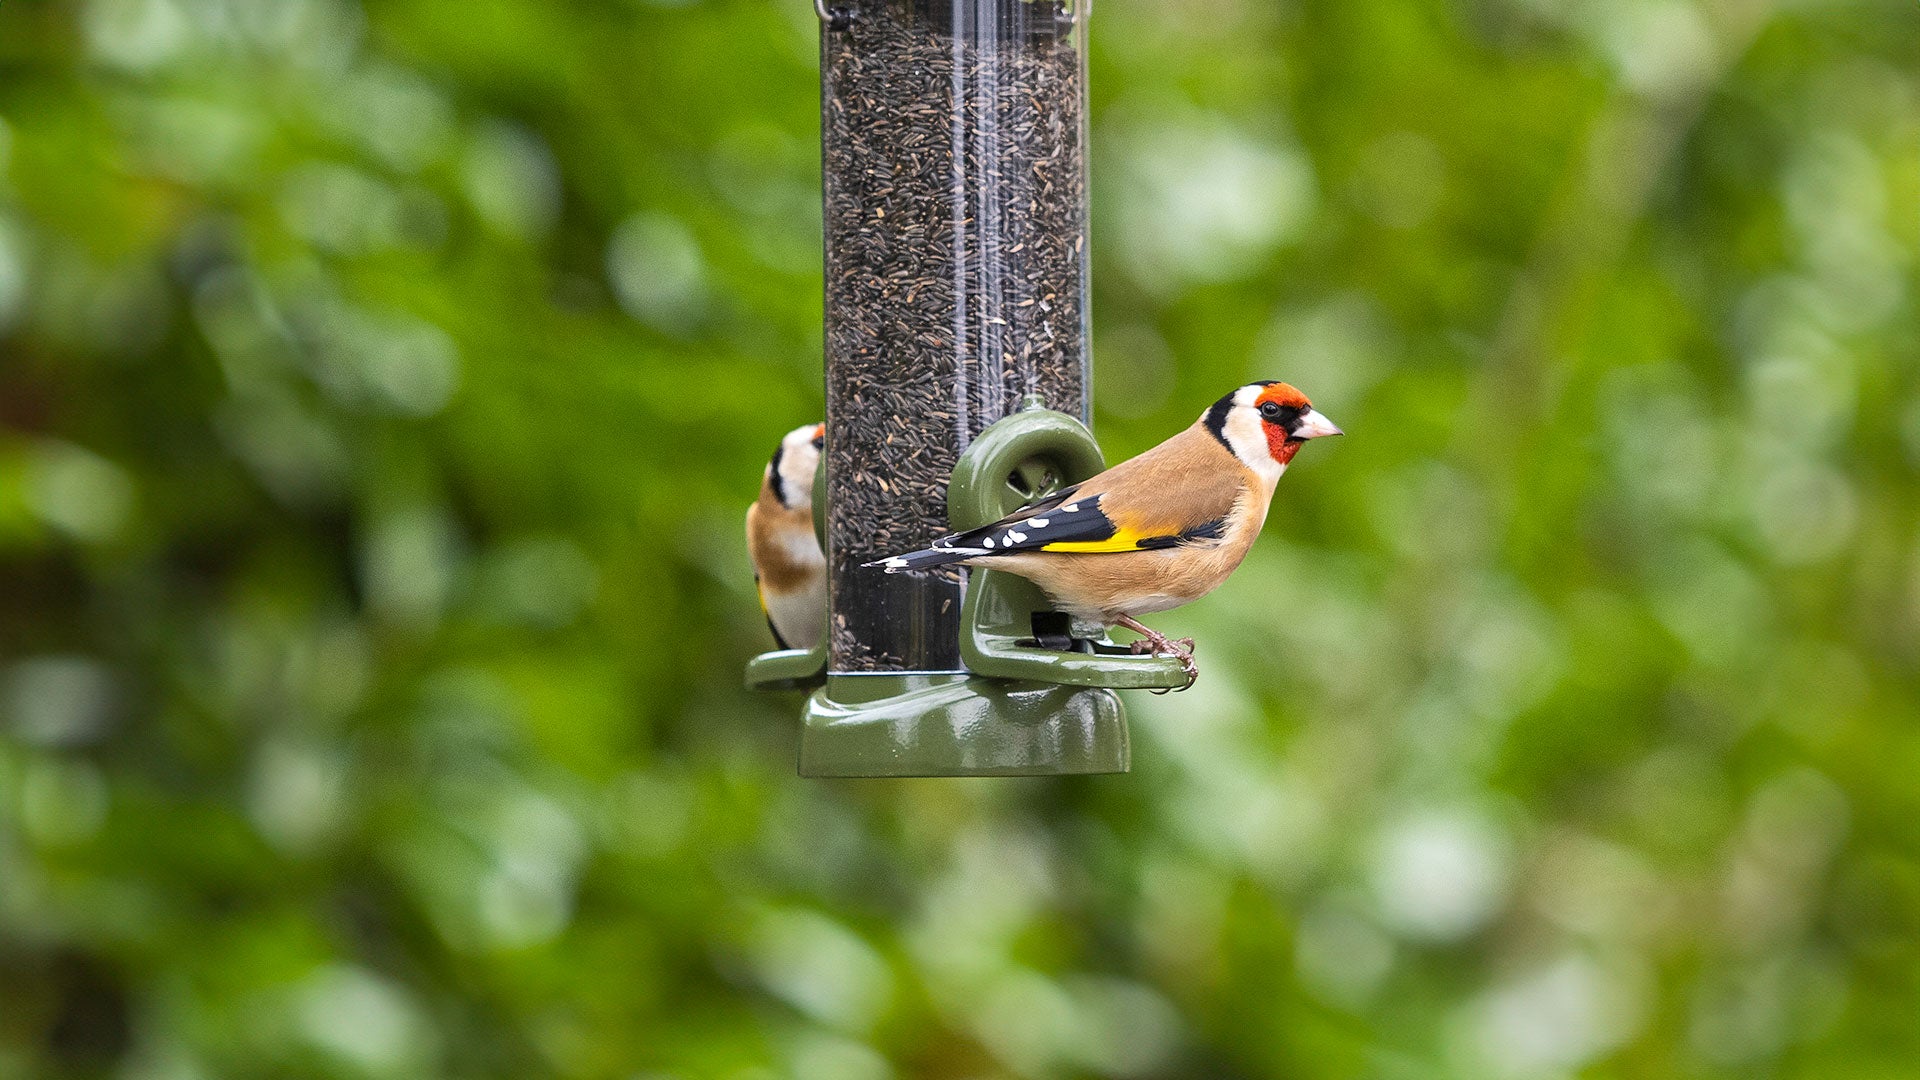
(1123, 540)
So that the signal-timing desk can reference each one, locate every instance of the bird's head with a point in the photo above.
(1265, 423)
(790, 473)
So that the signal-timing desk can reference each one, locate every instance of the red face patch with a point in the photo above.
(1295, 403)
(1281, 447)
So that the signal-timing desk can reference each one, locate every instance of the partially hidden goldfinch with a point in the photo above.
(787, 564)
(1154, 532)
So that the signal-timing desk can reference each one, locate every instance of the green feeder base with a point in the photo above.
(960, 725)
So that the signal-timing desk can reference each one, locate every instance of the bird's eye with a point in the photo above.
(1269, 409)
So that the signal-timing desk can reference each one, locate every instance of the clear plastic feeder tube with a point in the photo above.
(954, 163)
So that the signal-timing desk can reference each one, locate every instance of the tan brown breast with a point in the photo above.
(781, 542)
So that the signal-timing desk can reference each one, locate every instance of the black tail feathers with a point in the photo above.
(927, 559)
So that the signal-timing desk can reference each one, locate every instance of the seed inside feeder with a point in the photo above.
(955, 283)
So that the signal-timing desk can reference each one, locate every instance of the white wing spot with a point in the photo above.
(1038, 523)
(987, 542)
(1071, 508)
(1016, 537)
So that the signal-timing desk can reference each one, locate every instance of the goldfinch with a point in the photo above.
(788, 567)
(1155, 532)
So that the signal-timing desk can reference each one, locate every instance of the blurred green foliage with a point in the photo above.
(381, 386)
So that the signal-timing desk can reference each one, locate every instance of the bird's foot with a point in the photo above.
(1161, 646)
(1158, 644)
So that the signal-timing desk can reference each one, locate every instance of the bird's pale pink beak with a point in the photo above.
(1312, 426)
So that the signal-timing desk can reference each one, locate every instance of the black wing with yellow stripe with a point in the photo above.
(1065, 523)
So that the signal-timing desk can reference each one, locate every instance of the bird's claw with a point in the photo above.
(1180, 649)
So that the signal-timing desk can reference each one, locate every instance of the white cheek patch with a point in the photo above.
(798, 463)
(1248, 437)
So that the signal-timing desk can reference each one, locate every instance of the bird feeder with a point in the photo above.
(958, 389)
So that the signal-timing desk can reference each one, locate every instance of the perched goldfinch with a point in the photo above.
(787, 563)
(1155, 532)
